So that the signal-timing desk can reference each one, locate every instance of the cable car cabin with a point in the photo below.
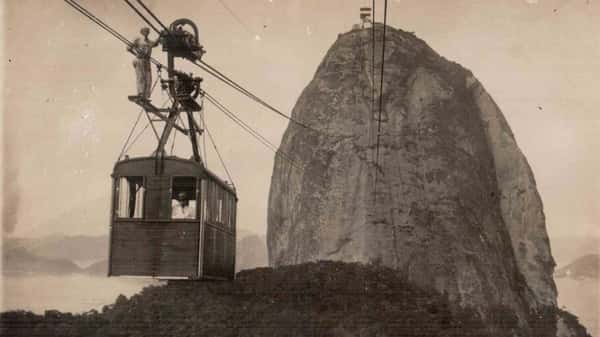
(177, 224)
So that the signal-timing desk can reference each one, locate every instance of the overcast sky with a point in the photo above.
(66, 114)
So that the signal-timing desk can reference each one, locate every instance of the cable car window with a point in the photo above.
(183, 198)
(130, 197)
(214, 203)
(218, 206)
(203, 205)
(230, 211)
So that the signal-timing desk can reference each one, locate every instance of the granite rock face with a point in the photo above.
(520, 202)
(450, 201)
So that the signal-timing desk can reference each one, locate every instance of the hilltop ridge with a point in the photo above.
(311, 299)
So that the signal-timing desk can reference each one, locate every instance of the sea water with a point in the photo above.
(67, 293)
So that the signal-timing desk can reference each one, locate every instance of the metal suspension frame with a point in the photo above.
(174, 112)
(183, 89)
(183, 44)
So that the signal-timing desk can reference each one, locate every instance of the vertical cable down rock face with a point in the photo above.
(457, 207)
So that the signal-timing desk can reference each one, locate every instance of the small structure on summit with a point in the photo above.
(365, 16)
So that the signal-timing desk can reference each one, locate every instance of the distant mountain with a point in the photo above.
(587, 266)
(53, 254)
(566, 249)
(74, 248)
(251, 252)
(99, 268)
(18, 261)
(57, 254)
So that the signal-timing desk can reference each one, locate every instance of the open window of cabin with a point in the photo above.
(130, 197)
(183, 198)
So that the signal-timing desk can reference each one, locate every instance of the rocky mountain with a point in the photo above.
(587, 266)
(447, 197)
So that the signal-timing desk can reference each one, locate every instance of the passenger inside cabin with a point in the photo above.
(181, 208)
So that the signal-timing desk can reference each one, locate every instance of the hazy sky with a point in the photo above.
(66, 113)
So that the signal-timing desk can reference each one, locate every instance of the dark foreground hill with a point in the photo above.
(312, 299)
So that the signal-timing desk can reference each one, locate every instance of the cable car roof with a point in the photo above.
(174, 166)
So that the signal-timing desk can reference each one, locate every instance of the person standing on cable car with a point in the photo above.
(142, 48)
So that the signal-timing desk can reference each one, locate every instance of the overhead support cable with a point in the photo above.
(212, 71)
(251, 131)
(216, 73)
(142, 16)
(203, 126)
(237, 18)
(107, 28)
(97, 21)
(152, 125)
(147, 115)
(240, 122)
(152, 14)
(137, 137)
(174, 137)
(123, 149)
(204, 145)
(380, 97)
(217, 152)
(82, 10)
(224, 78)
(139, 134)
(130, 134)
(373, 61)
(201, 64)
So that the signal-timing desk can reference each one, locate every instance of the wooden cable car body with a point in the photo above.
(151, 235)
(146, 239)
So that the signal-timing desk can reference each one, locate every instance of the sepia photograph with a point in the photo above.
(300, 168)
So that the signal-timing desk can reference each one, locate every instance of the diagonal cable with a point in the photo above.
(251, 131)
(99, 22)
(152, 14)
(225, 79)
(130, 134)
(137, 11)
(380, 98)
(237, 18)
(217, 151)
(373, 61)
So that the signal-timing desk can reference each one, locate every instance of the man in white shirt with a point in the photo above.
(142, 47)
(181, 208)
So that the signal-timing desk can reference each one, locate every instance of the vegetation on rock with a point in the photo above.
(311, 299)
